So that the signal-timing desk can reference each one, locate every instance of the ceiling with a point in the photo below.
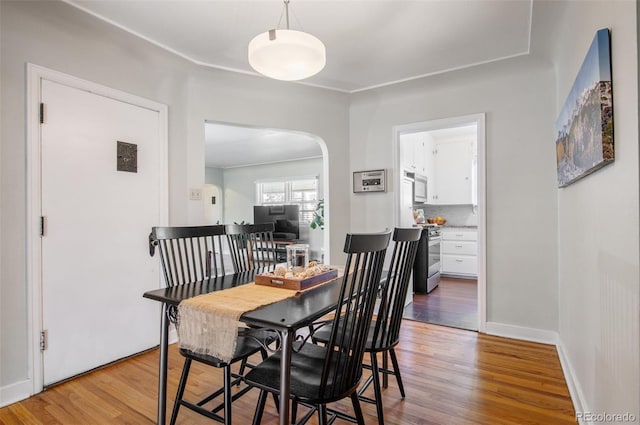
(228, 146)
(369, 43)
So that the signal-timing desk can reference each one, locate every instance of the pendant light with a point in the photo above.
(285, 54)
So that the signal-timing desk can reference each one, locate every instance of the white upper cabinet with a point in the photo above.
(448, 163)
(413, 152)
(453, 169)
(452, 173)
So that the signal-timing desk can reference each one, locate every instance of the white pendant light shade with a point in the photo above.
(289, 56)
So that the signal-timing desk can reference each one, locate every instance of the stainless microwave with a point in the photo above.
(419, 189)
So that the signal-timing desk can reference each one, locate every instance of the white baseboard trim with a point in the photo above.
(575, 391)
(520, 332)
(15, 392)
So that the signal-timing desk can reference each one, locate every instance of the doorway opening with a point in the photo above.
(247, 168)
(441, 187)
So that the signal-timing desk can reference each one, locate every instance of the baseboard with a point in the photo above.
(15, 392)
(520, 332)
(575, 391)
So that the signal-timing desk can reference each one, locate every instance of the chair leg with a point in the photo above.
(257, 416)
(396, 368)
(243, 366)
(181, 386)
(385, 366)
(375, 372)
(294, 411)
(227, 394)
(357, 409)
(322, 414)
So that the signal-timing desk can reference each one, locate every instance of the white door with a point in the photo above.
(95, 256)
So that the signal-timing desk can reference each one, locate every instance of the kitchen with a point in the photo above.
(439, 190)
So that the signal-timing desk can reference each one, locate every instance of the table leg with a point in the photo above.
(162, 373)
(285, 376)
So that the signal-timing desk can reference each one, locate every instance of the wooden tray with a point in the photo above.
(297, 284)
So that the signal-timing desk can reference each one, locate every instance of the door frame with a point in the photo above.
(35, 74)
(479, 120)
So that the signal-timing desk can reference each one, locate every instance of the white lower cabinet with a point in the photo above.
(459, 250)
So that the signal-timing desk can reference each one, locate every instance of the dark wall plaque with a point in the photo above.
(127, 157)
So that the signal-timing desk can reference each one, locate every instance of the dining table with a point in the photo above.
(285, 317)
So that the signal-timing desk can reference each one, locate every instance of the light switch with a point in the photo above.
(195, 194)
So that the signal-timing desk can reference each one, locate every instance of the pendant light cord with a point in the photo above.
(285, 13)
(286, 10)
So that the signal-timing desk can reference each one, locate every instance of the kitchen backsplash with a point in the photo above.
(456, 215)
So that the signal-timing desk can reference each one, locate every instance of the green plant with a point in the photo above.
(318, 216)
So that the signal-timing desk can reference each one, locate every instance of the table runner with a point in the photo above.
(208, 324)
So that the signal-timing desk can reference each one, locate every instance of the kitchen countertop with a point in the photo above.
(446, 226)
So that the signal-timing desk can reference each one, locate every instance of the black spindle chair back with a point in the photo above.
(189, 254)
(393, 289)
(251, 246)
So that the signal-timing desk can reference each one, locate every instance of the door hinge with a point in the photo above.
(44, 340)
(41, 113)
(42, 225)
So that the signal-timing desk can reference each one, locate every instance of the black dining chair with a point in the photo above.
(324, 374)
(251, 246)
(384, 333)
(192, 254)
(188, 254)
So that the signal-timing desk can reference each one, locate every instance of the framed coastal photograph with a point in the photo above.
(584, 128)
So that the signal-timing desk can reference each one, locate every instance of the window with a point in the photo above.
(301, 191)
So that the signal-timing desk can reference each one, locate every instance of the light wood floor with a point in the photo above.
(454, 302)
(451, 376)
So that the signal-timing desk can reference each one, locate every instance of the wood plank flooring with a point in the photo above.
(451, 376)
(452, 303)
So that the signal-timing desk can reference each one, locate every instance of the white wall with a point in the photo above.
(55, 35)
(214, 176)
(598, 222)
(518, 98)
